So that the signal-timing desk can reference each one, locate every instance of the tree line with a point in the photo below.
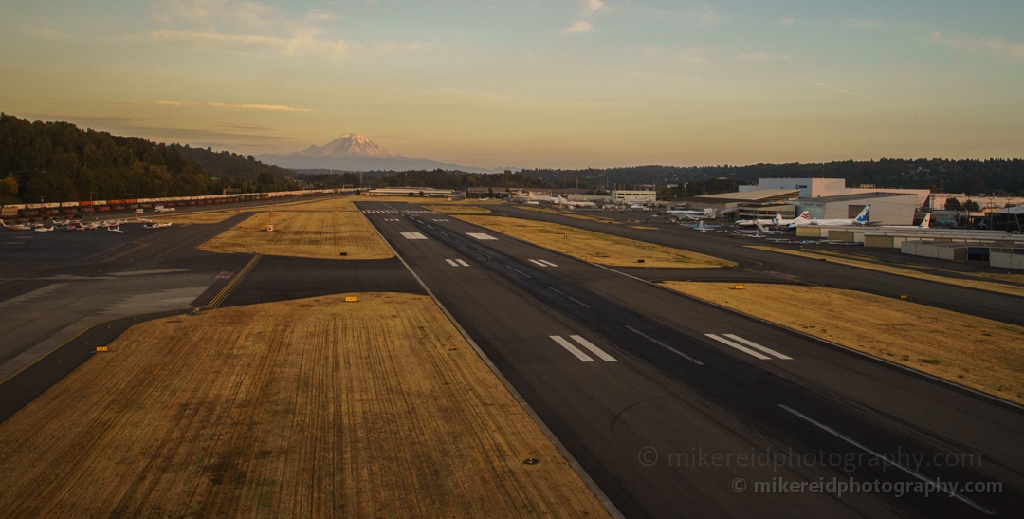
(57, 161)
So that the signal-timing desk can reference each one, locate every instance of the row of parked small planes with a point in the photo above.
(78, 225)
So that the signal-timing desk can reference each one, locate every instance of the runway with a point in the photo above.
(755, 265)
(646, 387)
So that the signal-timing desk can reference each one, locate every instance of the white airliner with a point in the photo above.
(926, 223)
(780, 221)
(15, 227)
(861, 219)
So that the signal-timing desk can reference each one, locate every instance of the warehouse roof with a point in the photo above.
(761, 194)
(861, 196)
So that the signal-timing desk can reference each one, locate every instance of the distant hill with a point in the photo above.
(353, 152)
(59, 162)
(223, 164)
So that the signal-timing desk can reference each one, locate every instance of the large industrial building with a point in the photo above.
(765, 203)
(820, 187)
(633, 197)
(886, 208)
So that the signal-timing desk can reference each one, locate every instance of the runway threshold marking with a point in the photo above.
(542, 263)
(413, 236)
(884, 459)
(769, 351)
(663, 345)
(593, 348)
(480, 236)
(586, 344)
(753, 353)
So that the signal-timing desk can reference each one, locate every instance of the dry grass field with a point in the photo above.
(421, 200)
(595, 247)
(978, 353)
(457, 209)
(910, 273)
(570, 214)
(319, 229)
(308, 408)
(197, 217)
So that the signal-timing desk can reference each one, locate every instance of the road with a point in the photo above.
(670, 421)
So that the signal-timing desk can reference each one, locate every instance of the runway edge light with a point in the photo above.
(350, 299)
(101, 348)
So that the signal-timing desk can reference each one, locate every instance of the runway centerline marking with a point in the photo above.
(593, 348)
(666, 346)
(413, 236)
(769, 351)
(569, 297)
(738, 346)
(572, 348)
(884, 459)
(480, 236)
(519, 271)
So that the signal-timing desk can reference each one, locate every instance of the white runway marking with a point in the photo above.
(413, 236)
(884, 459)
(738, 346)
(539, 264)
(663, 345)
(572, 348)
(593, 348)
(769, 351)
(463, 263)
(548, 263)
(452, 263)
(481, 236)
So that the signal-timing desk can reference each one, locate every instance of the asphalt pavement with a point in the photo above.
(679, 408)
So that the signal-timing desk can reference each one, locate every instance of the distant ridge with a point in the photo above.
(353, 152)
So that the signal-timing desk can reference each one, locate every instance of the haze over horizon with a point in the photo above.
(572, 84)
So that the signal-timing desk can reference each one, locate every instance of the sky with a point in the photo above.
(557, 83)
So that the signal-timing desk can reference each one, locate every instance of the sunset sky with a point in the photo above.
(566, 84)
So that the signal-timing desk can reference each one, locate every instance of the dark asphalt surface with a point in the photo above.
(678, 425)
(647, 426)
(777, 267)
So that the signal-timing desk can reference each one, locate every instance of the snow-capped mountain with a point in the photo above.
(348, 145)
(353, 152)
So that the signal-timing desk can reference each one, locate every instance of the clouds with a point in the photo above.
(242, 24)
(589, 10)
(997, 47)
(216, 104)
(303, 41)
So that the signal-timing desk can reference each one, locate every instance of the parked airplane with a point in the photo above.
(44, 229)
(15, 227)
(757, 222)
(703, 226)
(861, 219)
(780, 221)
(162, 209)
(115, 228)
(144, 220)
(925, 224)
(157, 225)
